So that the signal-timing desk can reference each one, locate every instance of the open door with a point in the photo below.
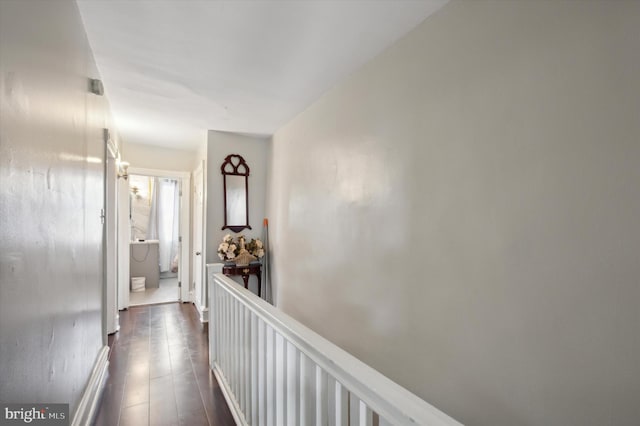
(199, 290)
(185, 231)
(111, 236)
(124, 236)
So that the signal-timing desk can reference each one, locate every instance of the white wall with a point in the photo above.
(201, 153)
(159, 158)
(462, 212)
(51, 193)
(255, 152)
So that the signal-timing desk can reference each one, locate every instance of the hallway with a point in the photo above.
(159, 371)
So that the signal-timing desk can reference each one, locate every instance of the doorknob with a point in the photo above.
(198, 253)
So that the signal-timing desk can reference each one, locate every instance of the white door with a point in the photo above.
(199, 291)
(111, 239)
(124, 236)
(184, 271)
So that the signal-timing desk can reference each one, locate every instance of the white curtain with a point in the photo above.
(164, 219)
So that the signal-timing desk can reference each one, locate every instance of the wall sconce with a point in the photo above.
(123, 170)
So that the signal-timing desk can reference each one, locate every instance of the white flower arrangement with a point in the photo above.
(228, 249)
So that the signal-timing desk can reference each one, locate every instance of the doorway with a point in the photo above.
(157, 253)
(199, 255)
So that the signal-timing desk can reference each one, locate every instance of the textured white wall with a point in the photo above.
(159, 158)
(51, 193)
(255, 152)
(462, 212)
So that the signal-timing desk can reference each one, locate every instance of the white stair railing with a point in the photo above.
(274, 371)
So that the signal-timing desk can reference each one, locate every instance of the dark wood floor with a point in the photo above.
(159, 371)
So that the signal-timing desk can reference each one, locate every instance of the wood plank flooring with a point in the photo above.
(159, 371)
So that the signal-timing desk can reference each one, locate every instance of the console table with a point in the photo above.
(244, 271)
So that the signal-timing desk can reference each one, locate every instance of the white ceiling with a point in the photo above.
(173, 69)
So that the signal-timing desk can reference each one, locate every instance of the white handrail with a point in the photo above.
(276, 371)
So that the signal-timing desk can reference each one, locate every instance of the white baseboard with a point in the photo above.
(236, 412)
(203, 313)
(88, 406)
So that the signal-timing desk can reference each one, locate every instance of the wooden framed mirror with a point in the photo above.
(235, 176)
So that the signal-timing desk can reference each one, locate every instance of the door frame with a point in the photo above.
(202, 297)
(123, 239)
(184, 269)
(111, 317)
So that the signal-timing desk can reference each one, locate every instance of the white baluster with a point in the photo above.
(292, 392)
(336, 402)
(341, 404)
(228, 329)
(218, 327)
(236, 346)
(280, 379)
(359, 412)
(262, 373)
(321, 397)
(234, 349)
(224, 324)
(255, 351)
(270, 384)
(247, 362)
(241, 358)
(331, 400)
(212, 326)
(307, 390)
(239, 337)
(245, 356)
(227, 370)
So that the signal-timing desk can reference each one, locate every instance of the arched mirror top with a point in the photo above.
(235, 165)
